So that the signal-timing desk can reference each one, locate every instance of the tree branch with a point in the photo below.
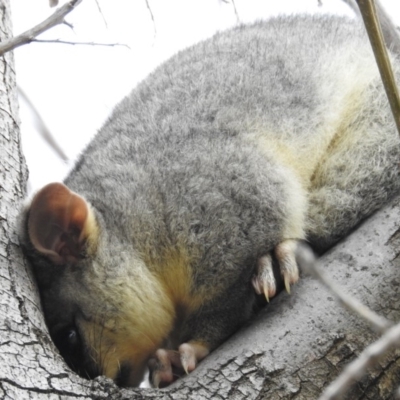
(371, 22)
(389, 30)
(42, 127)
(28, 36)
(78, 43)
(358, 367)
(380, 324)
(152, 17)
(101, 13)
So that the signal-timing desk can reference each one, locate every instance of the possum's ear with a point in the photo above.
(58, 223)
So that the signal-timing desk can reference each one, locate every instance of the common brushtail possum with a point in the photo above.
(214, 168)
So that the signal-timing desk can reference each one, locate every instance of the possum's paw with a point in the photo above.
(168, 365)
(264, 280)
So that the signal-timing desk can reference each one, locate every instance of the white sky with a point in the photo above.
(75, 87)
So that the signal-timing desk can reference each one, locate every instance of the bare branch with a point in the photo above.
(101, 13)
(152, 17)
(234, 8)
(236, 11)
(78, 43)
(42, 127)
(356, 369)
(390, 33)
(66, 23)
(379, 323)
(28, 36)
(371, 22)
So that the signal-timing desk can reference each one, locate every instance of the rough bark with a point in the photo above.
(292, 350)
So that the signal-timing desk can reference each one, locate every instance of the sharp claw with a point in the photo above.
(287, 283)
(264, 281)
(156, 379)
(256, 285)
(187, 357)
(185, 366)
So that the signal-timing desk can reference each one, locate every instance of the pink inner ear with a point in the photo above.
(56, 223)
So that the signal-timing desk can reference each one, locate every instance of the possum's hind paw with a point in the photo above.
(168, 365)
(264, 280)
(285, 253)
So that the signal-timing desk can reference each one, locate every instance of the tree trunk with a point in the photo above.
(292, 350)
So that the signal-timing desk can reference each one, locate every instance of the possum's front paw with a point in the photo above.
(168, 365)
(264, 280)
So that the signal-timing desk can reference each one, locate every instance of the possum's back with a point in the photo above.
(277, 78)
(280, 89)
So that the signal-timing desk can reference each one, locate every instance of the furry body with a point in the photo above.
(274, 131)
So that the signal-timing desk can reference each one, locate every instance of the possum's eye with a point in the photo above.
(72, 347)
(72, 337)
(68, 341)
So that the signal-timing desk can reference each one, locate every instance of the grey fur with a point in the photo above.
(188, 161)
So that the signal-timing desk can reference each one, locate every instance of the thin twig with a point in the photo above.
(28, 36)
(78, 43)
(234, 8)
(369, 14)
(356, 369)
(389, 30)
(70, 26)
(152, 17)
(42, 127)
(379, 323)
(101, 13)
(236, 11)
